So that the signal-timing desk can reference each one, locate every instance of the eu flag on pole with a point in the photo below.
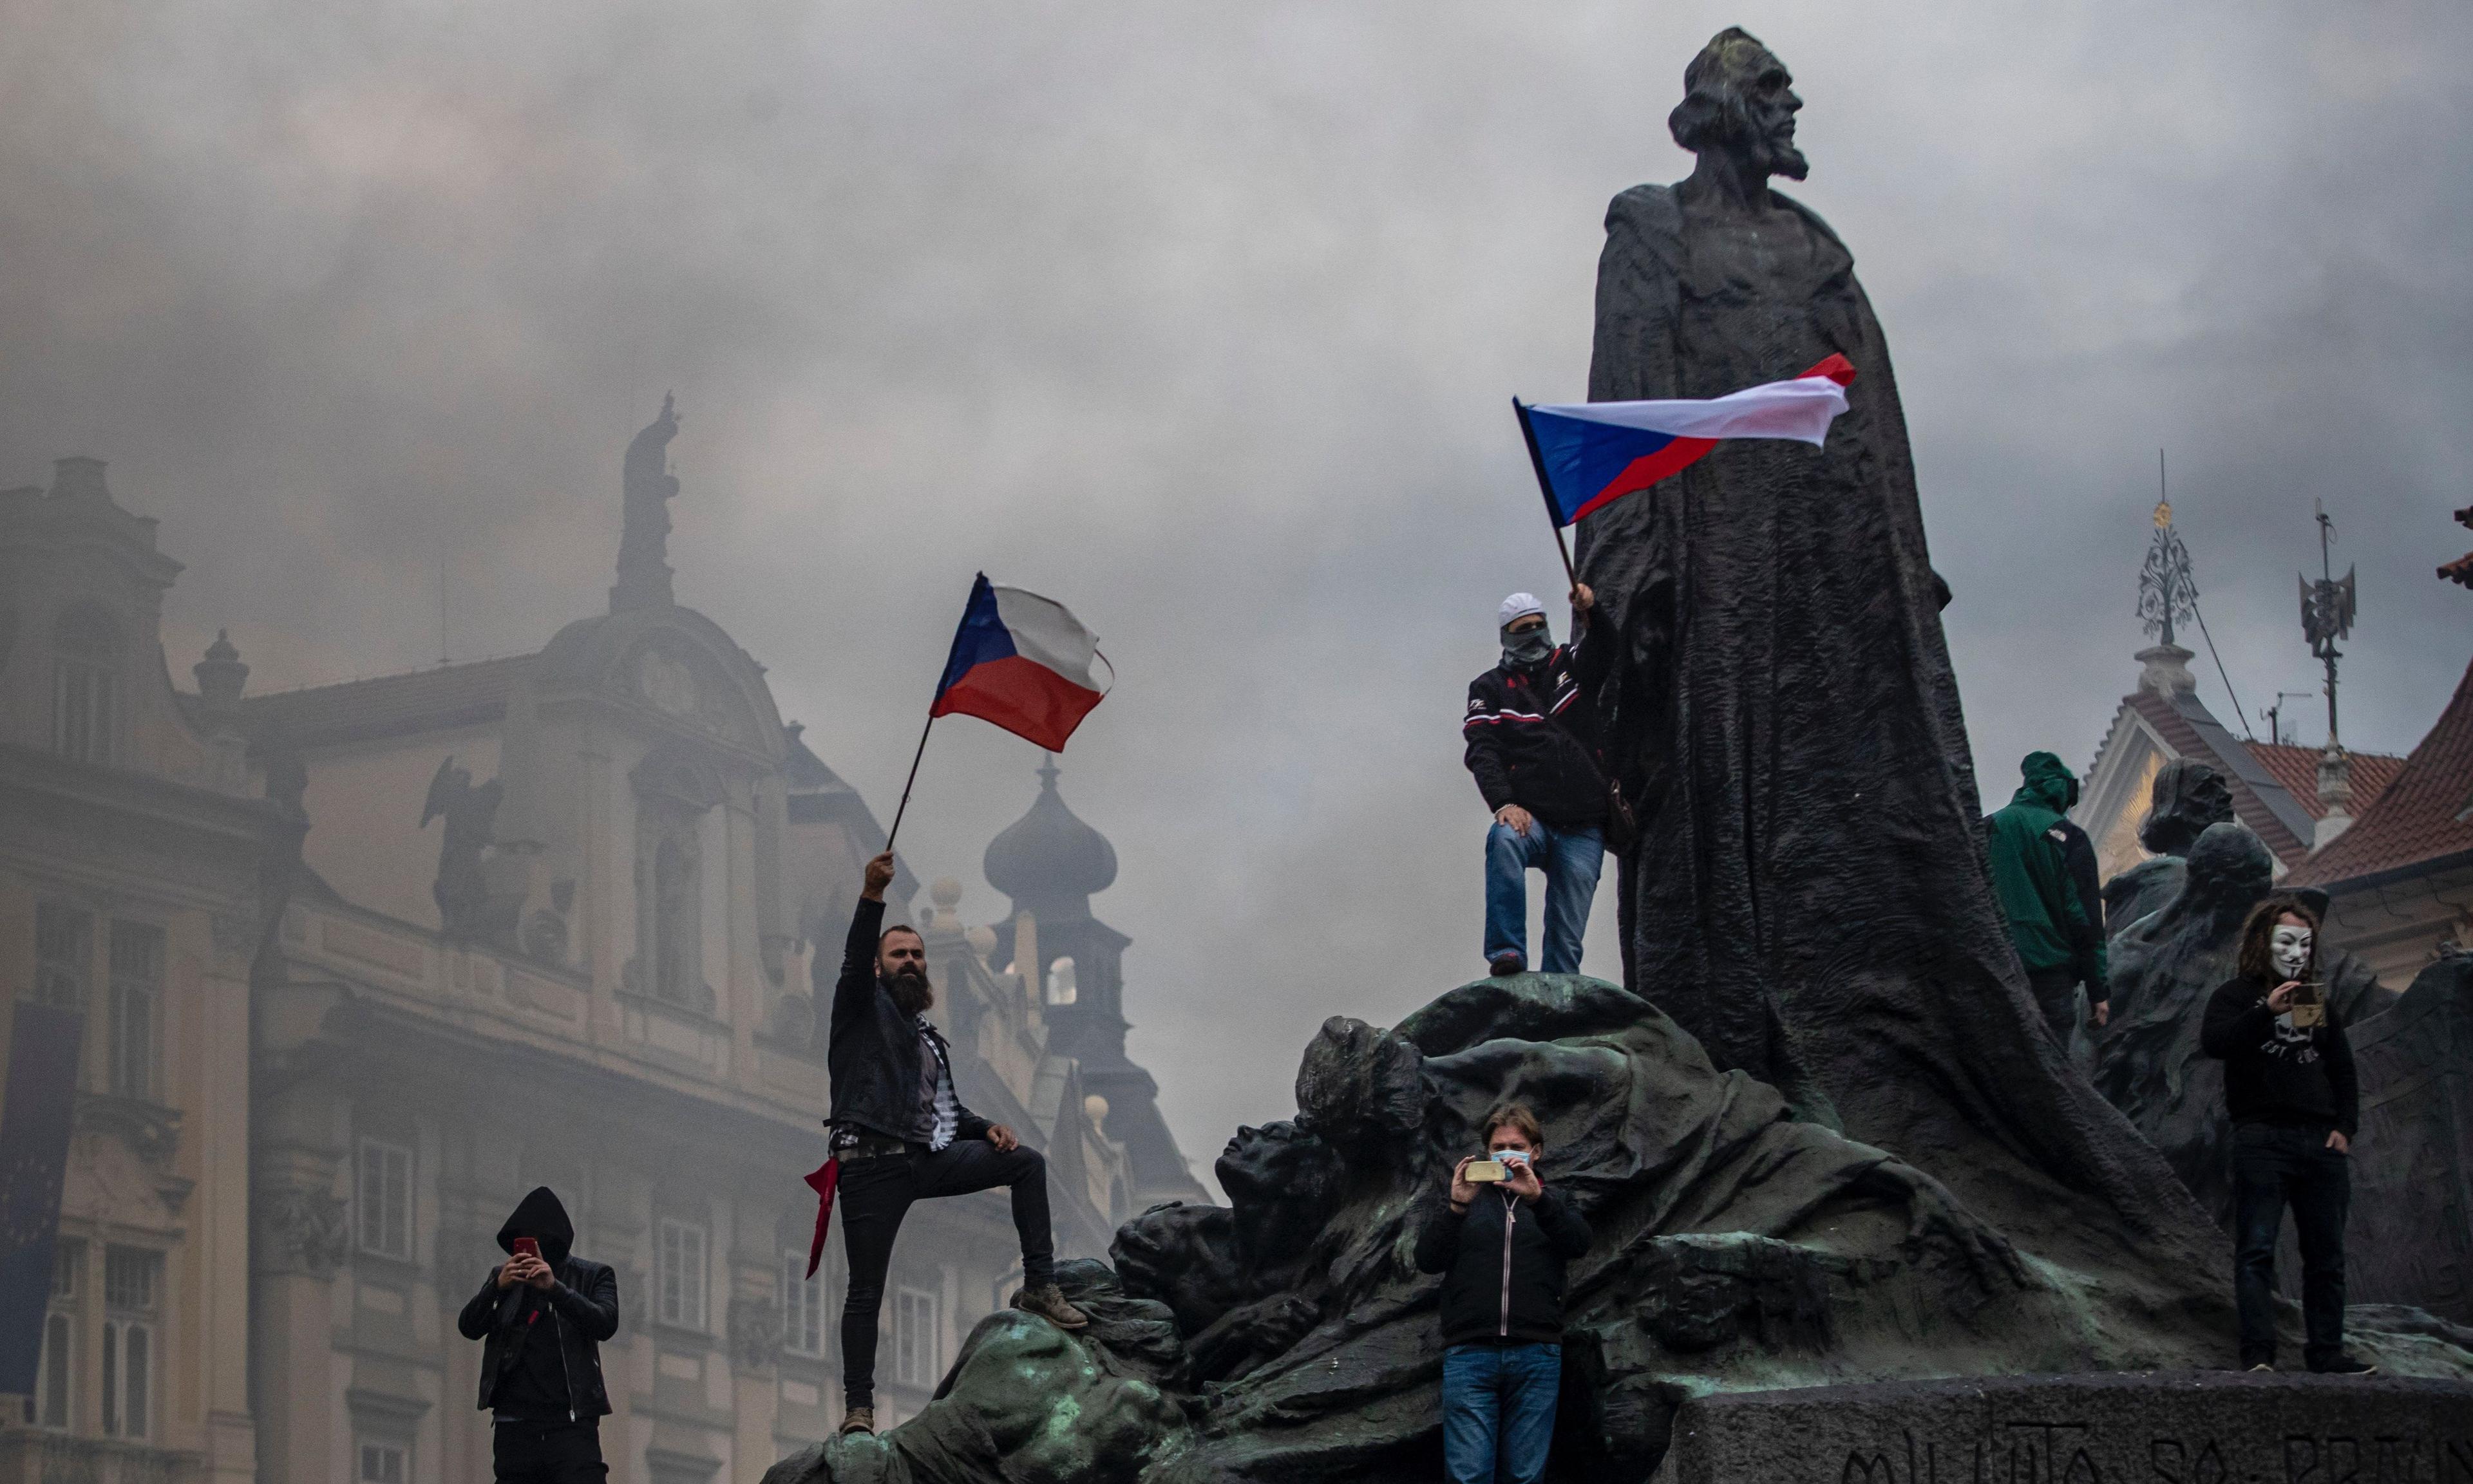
(34, 1160)
(1589, 454)
(1020, 661)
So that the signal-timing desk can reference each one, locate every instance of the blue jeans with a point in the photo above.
(2272, 1168)
(1571, 859)
(1498, 1404)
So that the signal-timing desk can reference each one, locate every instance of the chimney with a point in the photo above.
(79, 478)
(2336, 792)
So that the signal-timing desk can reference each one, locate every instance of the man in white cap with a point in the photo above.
(1532, 743)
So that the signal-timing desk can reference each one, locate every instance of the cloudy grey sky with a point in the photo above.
(1201, 317)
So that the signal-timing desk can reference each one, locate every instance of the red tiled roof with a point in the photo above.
(449, 696)
(2421, 816)
(2297, 768)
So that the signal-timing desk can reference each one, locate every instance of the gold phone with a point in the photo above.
(1485, 1172)
(2309, 1005)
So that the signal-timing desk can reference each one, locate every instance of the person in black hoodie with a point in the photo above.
(1501, 1249)
(540, 1320)
(2290, 1088)
(902, 1135)
(1533, 746)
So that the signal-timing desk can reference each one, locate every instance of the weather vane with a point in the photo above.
(2327, 613)
(2168, 592)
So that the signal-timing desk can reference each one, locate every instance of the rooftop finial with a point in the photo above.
(2168, 588)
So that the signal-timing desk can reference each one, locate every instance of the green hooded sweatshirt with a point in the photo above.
(2029, 875)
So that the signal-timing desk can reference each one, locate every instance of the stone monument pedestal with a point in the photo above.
(2152, 1427)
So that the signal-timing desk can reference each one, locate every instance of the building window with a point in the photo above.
(914, 1337)
(86, 648)
(679, 1276)
(1062, 986)
(384, 1463)
(676, 976)
(803, 1309)
(55, 1371)
(386, 1200)
(64, 954)
(136, 1007)
(132, 1279)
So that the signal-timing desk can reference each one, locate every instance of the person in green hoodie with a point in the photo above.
(2057, 933)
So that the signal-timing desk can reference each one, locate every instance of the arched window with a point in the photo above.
(85, 679)
(1062, 989)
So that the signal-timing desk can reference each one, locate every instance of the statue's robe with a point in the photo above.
(1809, 896)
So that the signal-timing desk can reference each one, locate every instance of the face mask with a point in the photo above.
(1523, 651)
(2288, 947)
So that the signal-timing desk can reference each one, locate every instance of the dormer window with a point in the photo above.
(86, 678)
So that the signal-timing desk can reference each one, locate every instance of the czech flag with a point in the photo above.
(1021, 661)
(1589, 454)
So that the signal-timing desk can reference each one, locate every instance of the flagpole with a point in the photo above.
(906, 782)
(1546, 488)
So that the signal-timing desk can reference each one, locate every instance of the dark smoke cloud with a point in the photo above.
(1201, 317)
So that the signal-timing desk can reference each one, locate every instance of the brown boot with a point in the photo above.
(1049, 1302)
(859, 1419)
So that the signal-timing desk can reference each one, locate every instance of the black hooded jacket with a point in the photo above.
(872, 1050)
(1503, 1265)
(581, 1310)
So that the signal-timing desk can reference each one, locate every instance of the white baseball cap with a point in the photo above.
(1518, 605)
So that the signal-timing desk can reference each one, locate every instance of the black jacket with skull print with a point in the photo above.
(2274, 1074)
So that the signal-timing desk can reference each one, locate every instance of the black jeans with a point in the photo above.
(2056, 994)
(875, 1195)
(522, 1453)
(2274, 1167)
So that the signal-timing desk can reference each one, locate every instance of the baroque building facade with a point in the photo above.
(556, 919)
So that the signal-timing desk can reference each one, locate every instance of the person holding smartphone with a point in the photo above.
(2296, 1105)
(1500, 1239)
(541, 1317)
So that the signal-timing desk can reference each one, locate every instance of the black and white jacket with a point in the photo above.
(1533, 739)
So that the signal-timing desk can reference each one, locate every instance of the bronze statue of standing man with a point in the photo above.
(1808, 895)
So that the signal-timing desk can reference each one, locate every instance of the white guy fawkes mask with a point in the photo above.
(2288, 948)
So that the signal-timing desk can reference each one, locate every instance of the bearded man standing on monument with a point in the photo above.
(902, 1135)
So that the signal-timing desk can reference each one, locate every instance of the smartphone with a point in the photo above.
(527, 1247)
(2309, 1005)
(1485, 1172)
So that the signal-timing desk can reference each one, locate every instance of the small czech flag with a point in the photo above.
(1589, 454)
(1023, 662)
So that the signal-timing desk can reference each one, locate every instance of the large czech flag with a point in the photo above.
(1021, 661)
(1589, 454)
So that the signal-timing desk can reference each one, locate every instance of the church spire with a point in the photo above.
(643, 548)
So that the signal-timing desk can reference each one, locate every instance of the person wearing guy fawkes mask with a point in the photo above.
(2290, 1088)
(1531, 729)
(902, 1135)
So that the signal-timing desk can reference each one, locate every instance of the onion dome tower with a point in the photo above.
(1050, 863)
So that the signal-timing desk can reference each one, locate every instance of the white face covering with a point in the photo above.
(2288, 948)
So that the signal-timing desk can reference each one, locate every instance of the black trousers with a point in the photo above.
(2274, 1169)
(877, 1193)
(2056, 994)
(522, 1453)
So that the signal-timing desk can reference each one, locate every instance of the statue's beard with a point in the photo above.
(912, 993)
(1779, 157)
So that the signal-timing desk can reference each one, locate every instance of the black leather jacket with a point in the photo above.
(872, 1050)
(583, 1309)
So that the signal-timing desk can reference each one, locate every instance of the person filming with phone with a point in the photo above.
(2294, 1104)
(541, 1317)
(1500, 1239)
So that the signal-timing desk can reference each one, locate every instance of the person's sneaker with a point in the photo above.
(2263, 1366)
(1505, 964)
(1049, 1302)
(2346, 1365)
(859, 1419)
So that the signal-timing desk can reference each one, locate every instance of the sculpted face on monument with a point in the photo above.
(1739, 99)
(2188, 796)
